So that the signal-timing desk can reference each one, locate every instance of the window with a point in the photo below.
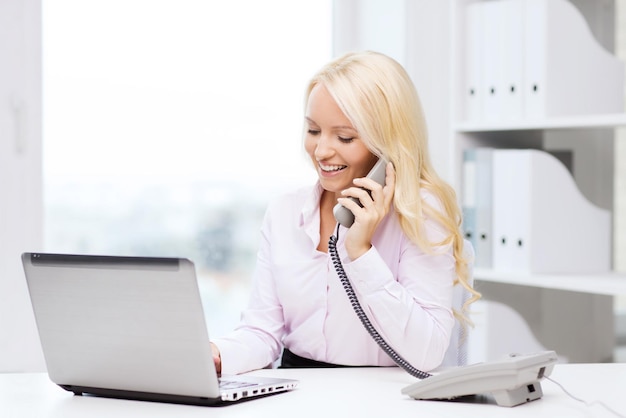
(168, 125)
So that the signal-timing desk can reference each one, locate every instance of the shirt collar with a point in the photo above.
(311, 206)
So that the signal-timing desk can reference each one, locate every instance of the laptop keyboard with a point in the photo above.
(233, 384)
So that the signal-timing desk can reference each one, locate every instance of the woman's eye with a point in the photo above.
(313, 132)
(345, 140)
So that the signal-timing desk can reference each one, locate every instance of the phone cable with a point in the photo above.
(587, 403)
(358, 309)
(399, 360)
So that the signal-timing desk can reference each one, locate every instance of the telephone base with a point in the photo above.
(512, 380)
(512, 397)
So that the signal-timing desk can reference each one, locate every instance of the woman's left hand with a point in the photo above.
(376, 205)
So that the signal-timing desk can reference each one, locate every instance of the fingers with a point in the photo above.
(367, 206)
(390, 183)
(217, 359)
(362, 195)
(373, 204)
(374, 192)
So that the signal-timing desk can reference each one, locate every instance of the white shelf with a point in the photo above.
(482, 124)
(611, 283)
(565, 122)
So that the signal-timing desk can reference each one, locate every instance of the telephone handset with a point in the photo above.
(345, 216)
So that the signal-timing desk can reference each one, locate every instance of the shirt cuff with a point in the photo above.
(369, 272)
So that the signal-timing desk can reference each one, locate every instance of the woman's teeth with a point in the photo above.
(332, 167)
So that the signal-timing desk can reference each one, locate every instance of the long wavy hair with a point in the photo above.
(378, 97)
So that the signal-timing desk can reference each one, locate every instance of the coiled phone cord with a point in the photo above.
(332, 250)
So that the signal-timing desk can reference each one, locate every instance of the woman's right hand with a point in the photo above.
(375, 203)
(217, 359)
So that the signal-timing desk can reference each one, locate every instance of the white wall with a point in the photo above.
(20, 178)
(370, 24)
(416, 34)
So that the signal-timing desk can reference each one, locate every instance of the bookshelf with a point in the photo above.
(610, 284)
(516, 123)
(602, 283)
(428, 38)
(608, 121)
(527, 292)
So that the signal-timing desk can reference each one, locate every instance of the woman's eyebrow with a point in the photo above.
(334, 127)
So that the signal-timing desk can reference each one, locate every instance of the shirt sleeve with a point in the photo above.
(411, 307)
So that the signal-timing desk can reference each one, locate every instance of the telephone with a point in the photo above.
(512, 380)
(343, 215)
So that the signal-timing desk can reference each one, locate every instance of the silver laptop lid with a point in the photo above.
(123, 323)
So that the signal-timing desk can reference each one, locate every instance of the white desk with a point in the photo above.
(360, 392)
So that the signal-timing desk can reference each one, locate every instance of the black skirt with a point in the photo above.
(294, 361)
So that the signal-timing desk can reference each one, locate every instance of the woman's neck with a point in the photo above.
(328, 200)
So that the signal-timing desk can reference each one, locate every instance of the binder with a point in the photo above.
(473, 59)
(511, 59)
(512, 212)
(566, 71)
(477, 202)
(535, 18)
(484, 210)
(491, 62)
(468, 201)
(541, 221)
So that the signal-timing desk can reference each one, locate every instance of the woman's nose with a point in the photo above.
(323, 148)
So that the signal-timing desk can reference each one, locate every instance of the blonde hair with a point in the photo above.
(378, 97)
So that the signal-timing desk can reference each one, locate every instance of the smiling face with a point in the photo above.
(337, 152)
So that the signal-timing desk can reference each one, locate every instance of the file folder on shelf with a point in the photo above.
(477, 202)
(491, 62)
(541, 221)
(473, 58)
(566, 71)
(536, 59)
(511, 211)
(494, 54)
(468, 202)
(511, 59)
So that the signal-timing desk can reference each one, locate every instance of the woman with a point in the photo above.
(403, 254)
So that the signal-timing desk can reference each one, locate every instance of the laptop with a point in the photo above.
(131, 328)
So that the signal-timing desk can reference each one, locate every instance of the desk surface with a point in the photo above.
(359, 392)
